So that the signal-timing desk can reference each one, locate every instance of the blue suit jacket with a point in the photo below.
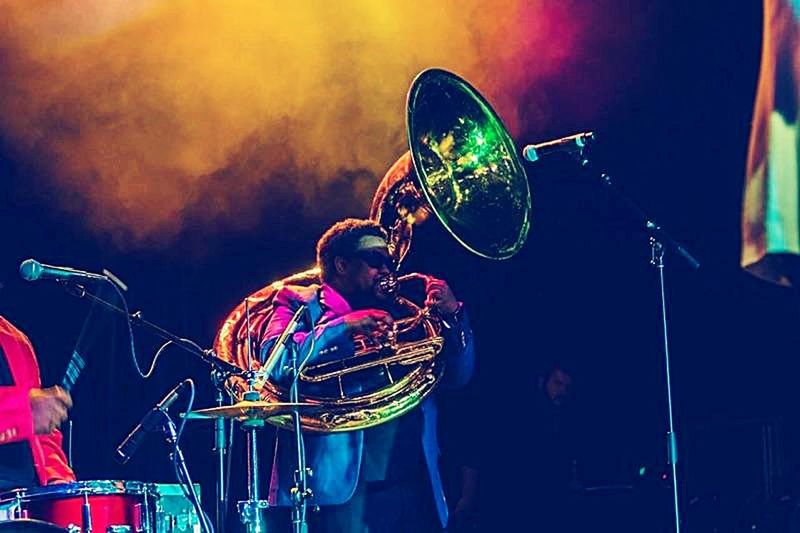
(336, 458)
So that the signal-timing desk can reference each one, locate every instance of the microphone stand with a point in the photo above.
(300, 492)
(208, 356)
(171, 435)
(659, 240)
(221, 371)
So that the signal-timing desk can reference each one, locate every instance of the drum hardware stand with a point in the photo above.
(251, 510)
(220, 449)
(659, 240)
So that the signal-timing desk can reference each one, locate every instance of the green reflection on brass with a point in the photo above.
(467, 165)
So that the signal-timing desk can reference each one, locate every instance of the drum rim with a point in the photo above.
(95, 487)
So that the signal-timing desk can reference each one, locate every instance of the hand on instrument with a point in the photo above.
(48, 408)
(440, 297)
(368, 321)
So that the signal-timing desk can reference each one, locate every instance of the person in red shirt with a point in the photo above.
(30, 442)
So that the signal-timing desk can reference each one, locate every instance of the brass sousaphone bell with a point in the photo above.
(461, 166)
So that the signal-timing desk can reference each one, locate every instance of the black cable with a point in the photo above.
(205, 520)
(187, 489)
(143, 375)
(130, 334)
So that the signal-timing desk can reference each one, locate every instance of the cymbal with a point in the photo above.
(249, 410)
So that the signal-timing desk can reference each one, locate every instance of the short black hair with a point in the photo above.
(341, 240)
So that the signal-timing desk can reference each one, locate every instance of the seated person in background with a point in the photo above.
(554, 458)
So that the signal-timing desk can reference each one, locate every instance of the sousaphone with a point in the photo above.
(462, 167)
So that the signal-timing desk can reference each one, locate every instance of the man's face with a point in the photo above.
(558, 386)
(365, 268)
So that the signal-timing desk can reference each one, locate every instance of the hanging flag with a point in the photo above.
(770, 230)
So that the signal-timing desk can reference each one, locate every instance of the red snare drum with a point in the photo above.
(99, 506)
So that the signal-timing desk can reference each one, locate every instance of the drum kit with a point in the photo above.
(101, 506)
(116, 506)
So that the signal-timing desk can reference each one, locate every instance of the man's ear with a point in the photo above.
(340, 263)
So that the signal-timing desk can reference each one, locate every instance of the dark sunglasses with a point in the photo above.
(375, 259)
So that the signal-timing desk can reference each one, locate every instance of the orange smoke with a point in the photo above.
(146, 112)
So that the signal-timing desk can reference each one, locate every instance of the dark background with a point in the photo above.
(581, 290)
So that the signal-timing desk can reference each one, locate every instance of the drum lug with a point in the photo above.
(17, 510)
(140, 517)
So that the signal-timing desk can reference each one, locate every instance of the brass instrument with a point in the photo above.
(461, 166)
(383, 350)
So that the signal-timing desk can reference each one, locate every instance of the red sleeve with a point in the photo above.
(16, 422)
(16, 419)
(55, 461)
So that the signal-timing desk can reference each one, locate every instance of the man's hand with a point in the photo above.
(440, 297)
(368, 321)
(48, 408)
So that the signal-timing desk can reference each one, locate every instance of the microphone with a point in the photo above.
(571, 145)
(32, 270)
(150, 421)
(280, 347)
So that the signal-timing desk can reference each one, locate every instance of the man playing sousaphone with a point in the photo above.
(384, 478)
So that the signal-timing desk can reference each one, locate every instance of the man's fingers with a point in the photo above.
(438, 286)
(382, 316)
(369, 320)
(434, 298)
(435, 294)
(61, 413)
(63, 396)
